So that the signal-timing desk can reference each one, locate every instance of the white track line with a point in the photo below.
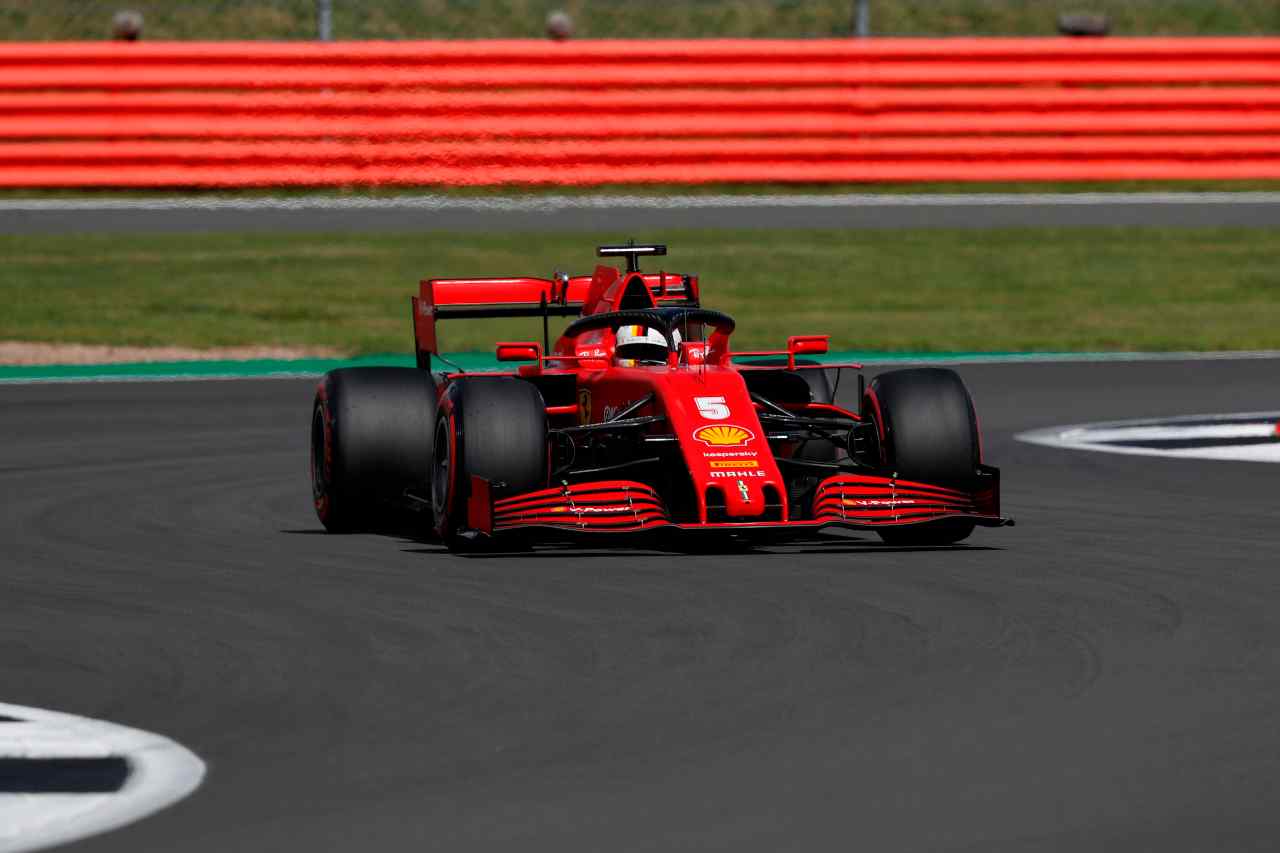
(536, 203)
(1171, 432)
(1101, 437)
(161, 773)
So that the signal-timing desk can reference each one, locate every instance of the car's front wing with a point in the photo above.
(857, 501)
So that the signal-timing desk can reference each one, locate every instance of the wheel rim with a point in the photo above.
(319, 456)
(441, 469)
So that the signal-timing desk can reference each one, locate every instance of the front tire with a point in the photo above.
(929, 433)
(494, 428)
(371, 440)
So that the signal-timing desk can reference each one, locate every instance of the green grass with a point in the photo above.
(400, 19)
(930, 290)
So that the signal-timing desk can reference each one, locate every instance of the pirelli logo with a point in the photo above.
(734, 463)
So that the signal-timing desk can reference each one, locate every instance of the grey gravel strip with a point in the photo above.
(636, 215)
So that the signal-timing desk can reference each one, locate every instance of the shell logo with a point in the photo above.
(723, 435)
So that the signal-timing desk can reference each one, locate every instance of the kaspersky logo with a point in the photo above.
(723, 435)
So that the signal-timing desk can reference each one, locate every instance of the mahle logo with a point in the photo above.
(723, 435)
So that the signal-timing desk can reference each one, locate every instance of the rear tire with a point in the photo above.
(808, 383)
(494, 428)
(930, 434)
(781, 382)
(817, 450)
(371, 439)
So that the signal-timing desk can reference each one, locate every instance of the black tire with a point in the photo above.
(782, 383)
(930, 434)
(371, 438)
(819, 385)
(792, 386)
(494, 428)
(817, 450)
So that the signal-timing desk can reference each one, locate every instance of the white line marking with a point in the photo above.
(1101, 437)
(1159, 433)
(161, 773)
(551, 203)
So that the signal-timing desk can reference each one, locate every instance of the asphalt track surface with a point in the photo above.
(627, 214)
(1101, 677)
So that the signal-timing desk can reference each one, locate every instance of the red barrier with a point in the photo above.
(261, 113)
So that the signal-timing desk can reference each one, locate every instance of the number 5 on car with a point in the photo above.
(712, 408)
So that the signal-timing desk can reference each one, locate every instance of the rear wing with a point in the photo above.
(559, 296)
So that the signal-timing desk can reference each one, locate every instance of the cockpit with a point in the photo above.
(656, 336)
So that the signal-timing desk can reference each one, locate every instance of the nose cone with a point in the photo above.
(743, 498)
(742, 486)
(723, 444)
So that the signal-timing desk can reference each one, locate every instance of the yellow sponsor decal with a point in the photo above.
(734, 463)
(584, 405)
(723, 435)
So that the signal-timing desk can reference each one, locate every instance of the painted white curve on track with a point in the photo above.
(161, 772)
(1172, 432)
(551, 203)
(1104, 437)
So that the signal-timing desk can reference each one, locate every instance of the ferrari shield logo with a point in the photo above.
(584, 405)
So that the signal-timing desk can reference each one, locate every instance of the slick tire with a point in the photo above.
(813, 375)
(494, 428)
(929, 433)
(812, 372)
(817, 450)
(819, 386)
(371, 437)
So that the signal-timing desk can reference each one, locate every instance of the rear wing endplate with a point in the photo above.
(478, 298)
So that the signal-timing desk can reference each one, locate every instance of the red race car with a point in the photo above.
(641, 418)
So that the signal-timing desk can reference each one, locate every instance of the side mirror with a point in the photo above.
(807, 344)
(520, 351)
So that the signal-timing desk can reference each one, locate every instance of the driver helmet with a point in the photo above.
(642, 345)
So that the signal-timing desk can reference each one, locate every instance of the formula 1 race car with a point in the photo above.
(641, 418)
